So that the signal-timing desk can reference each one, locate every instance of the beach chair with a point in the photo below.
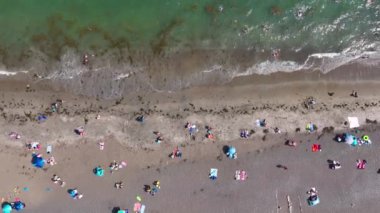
(213, 174)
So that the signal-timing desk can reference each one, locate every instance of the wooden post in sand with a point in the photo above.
(290, 206)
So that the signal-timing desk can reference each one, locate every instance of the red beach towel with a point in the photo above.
(316, 148)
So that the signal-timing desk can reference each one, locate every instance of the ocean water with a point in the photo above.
(173, 44)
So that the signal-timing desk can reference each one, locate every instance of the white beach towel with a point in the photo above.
(213, 172)
(354, 122)
(49, 149)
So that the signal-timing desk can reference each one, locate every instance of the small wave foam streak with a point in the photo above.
(9, 73)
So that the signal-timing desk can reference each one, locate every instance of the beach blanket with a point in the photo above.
(353, 122)
(213, 173)
(316, 148)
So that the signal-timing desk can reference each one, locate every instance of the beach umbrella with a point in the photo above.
(19, 206)
(99, 171)
(38, 161)
(7, 208)
(73, 192)
(351, 140)
(231, 151)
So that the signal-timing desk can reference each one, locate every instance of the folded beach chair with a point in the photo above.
(213, 174)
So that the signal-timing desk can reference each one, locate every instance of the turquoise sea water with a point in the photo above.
(165, 27)
(326, 25)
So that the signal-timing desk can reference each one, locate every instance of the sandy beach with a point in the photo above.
(185, 186)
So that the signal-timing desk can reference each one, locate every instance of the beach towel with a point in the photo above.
(49, 149)
(353, 122)
(142, 209)
(360, 164)
(137, 207)
(316, 148)
(213, 173)
(41, 118)
(241, 175)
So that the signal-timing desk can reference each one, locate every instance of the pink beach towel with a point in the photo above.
(137, 207)
(360, 164)
(241, 175)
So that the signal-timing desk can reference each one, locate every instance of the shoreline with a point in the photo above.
(107, 79)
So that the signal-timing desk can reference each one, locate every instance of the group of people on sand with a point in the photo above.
(72, 192)
(152, 190)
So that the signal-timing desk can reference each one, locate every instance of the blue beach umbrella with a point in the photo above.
(231, 152)
(7, 208)
(98, 171)
(72, 192)
(18, 206)
(38, 161)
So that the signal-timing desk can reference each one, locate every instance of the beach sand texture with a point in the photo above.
(185, 186)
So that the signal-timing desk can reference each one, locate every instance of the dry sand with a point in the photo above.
(185, 186)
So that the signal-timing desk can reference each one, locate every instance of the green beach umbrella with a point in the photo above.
(99, 171)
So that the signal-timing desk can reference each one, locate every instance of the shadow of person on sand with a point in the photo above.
(116, 209)
(225, 149)
(331, 163)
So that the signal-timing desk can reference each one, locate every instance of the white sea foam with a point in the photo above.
(215, 67)
(8, 73)
(324, 62)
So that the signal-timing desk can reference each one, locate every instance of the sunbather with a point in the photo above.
(119, 185)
